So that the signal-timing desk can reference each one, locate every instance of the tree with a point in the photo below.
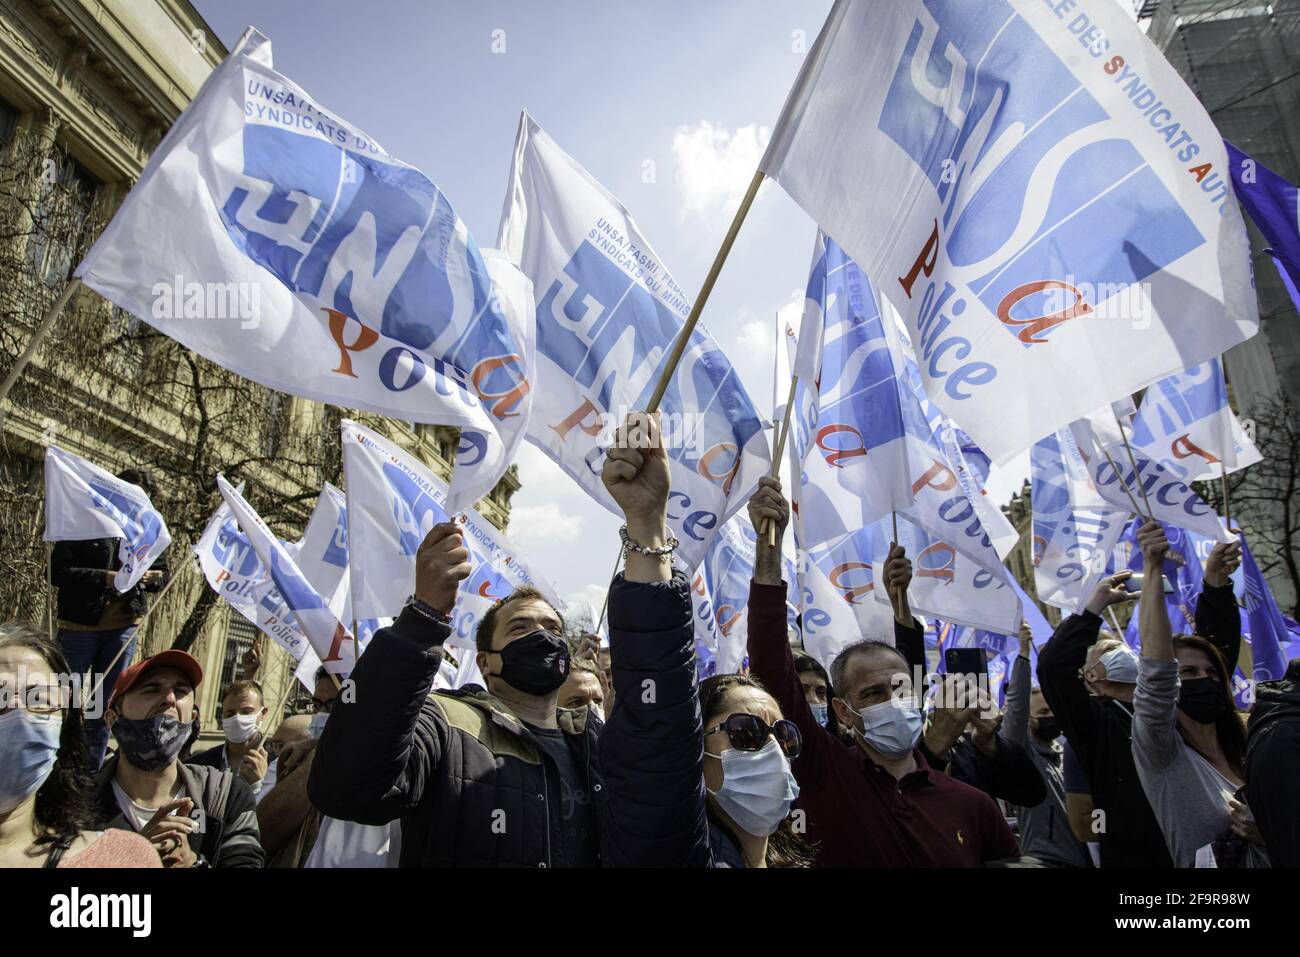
(1265, 497)
(108, 386)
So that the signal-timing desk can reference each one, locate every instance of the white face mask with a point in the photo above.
(597, 710)
(892, 727)
(758, 787)
(240, 727)
(1121, 664)
(317, 724)
(818, 713)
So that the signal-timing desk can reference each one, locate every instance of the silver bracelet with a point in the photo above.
(664, 551)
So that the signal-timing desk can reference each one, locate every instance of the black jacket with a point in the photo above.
(1273, 766)
(1100, 730)
(462, 772)
(230, 835)
(652, 748)
(77, 570)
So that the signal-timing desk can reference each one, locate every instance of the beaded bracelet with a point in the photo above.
(663, 551)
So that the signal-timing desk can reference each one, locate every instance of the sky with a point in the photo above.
(669, 105)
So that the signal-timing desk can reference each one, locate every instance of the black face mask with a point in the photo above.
(1201, 699)
(1049, 729)
(536, 664)
(151, 743)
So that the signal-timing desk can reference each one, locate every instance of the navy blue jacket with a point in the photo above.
(652, 747)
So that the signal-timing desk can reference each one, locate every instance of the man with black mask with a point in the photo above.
(194, 816)
(499, 777)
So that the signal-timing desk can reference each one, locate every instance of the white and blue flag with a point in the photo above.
(278, 240)
(1186, 424)
(330, 638)
(393, 500)
(1074, 529)
(608, 313)
(84, 501)
(1034, 188)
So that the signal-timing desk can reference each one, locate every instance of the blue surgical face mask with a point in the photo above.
(892, 727)
(317, 724)
(819, 712)
(29, 747)
(1121, 665)
(758, 788)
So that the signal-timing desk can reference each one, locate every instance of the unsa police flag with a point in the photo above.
(283, 243)
(1035, 190)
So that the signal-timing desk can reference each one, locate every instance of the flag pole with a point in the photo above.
(684, 337)
(1133, 462)
(893, 516)
(777, 452)
(605, 606)
(1123, 484)
(1119, 632)
(49, 588)
(38, 336)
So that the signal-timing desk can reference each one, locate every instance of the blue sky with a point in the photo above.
(667, 104)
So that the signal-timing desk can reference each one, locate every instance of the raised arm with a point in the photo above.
(652, 745)
(1217, 617)
(1061, 661)
(1015, 722)
(770, 657)
(1155, 701)
(384, 736)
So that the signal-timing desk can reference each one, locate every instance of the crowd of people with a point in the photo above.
(594, 754)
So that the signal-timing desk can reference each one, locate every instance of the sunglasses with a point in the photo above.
(749, 732)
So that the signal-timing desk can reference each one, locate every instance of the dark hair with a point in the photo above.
(248, 684)
(805, 662)
(841, 663)
(488, 623)
(785, 848)
(321, 674)
(140, 477)
(64, 804)
(1228, 728)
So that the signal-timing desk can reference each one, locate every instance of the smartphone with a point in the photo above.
(1133, 584)
(967, 661)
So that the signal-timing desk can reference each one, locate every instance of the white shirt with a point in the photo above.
(137, 815)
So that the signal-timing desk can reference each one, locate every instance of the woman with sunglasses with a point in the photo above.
(695, 777)
(47, 818)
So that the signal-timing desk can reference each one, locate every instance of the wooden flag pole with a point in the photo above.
(1133, 462)
(1123, 484)
(684, 337)
(38, 336)
(1227, 503)
(778, 450)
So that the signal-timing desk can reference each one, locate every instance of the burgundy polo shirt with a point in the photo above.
(858, 814)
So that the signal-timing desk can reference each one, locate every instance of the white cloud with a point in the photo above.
(715, 166)
(593, 595)
(758, 336)
(545, 522)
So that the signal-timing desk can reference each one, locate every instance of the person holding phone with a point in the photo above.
(194, 815)
(243, 714)
(879, 803)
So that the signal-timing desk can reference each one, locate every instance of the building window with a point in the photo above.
(63, 214)
(240, 635)
(8, 123)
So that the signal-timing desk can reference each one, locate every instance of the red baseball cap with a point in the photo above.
(183, 662)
